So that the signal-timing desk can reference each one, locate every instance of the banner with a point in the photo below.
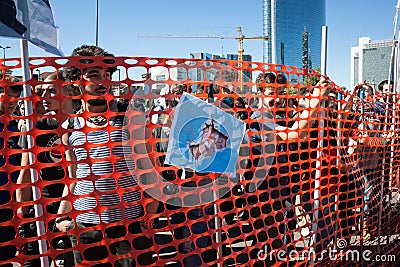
(32, 20)
(324, 196)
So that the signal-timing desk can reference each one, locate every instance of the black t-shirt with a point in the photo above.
(48, 140)
(13, 159)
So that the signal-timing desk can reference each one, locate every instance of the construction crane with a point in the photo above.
(239, 38)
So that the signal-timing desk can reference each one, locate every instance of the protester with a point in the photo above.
(386, 111)
(364, 148)
(317, 161)
(273, 107)
(161, 135)
(96, 179)
(50, 154)
(385, 87)
(8, 124)
(162, 104)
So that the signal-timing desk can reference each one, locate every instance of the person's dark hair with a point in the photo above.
(13, 79)
(240, 103)
(304, 91)
(270, 77)
(71, 89)
(112, 69)
(369, 87)
(242, 115)
(382, 83)
(226, 75)
(199, 88)
(74, 73)
(88, 50)
(179, 88)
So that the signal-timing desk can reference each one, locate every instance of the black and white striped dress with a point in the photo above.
(99, 199)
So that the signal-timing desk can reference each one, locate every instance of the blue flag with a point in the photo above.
(31, 20)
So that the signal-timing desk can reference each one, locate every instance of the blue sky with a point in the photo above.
(122, 21)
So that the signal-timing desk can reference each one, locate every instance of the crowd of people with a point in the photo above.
(297, 139)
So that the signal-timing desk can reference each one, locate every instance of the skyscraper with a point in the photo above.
(284, 22)
(370, 61)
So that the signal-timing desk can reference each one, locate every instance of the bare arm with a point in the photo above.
(65, 205)
(61, 223)
(349, 98)
(24, 177)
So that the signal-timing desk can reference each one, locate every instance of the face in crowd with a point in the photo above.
(332, 102)
(368, 92)
(273, 88)
(48, 92)
(177, 90)
(387, 88)
(272, 99)
(95, 75)
(10, 106)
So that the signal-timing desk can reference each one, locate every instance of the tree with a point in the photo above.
(311, 80)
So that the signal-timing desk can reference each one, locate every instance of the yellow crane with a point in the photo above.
(240, 37)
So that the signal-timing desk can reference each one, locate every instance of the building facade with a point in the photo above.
(198, 75)
(370, 61)
(284, 22)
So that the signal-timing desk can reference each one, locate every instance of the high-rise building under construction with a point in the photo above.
(294, 28)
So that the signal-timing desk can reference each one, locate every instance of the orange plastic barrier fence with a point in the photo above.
(84, 179)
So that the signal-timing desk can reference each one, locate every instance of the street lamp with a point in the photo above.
(4, 51)
(119, 81)
(119, 74)
(38, 71)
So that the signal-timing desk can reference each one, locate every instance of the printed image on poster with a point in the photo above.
(203, 137)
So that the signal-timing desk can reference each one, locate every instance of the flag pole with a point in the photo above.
(26, 75)
(97, 22)
(322, 117)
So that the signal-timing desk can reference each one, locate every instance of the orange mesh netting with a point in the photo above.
(319, 187)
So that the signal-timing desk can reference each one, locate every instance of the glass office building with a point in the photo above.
(284, 22)
(370, 61)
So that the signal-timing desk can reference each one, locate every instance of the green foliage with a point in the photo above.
(311, 80)
(293, 91)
